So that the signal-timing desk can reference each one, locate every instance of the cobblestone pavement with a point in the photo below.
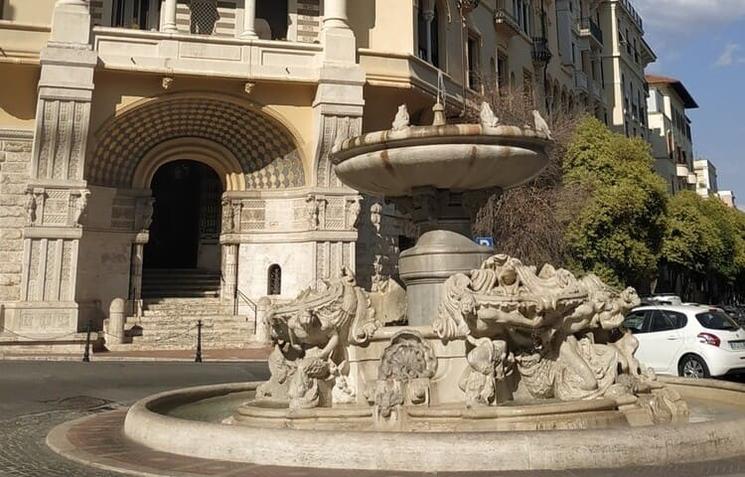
(23, 450)
(36, 396)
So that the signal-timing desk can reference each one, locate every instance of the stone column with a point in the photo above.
(335, 14)
(429, 15)
(58, 195)
(338, 39)
(249, 19)
(115, 329)
(229, 289)
(169, 16)
(263, 333)
(135, 280)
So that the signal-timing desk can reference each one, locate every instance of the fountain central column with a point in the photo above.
(444, 247)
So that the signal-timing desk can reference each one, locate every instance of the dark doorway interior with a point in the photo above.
(186, 218)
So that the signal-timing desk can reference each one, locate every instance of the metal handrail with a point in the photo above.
(242, 296)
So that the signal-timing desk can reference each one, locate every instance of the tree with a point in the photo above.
(704, 247)
(529, 221)
(618, 233)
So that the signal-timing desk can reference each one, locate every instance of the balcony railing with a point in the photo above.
(588, 25)
(505, 22)
(541, 52)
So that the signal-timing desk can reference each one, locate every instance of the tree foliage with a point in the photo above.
(618, 233)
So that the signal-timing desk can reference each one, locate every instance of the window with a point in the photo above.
(502, 72)
(473, 53)
(528, 87)
(635, 322)
(136, 14)
(274, 280)
(428, 24)
(665, 320)
(717, 320)
(679, 320)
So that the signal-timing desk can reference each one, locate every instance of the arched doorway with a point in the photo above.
(182, 256)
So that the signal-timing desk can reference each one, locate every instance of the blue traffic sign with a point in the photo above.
(485, 241)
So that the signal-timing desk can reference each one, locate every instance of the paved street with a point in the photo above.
(36, 396)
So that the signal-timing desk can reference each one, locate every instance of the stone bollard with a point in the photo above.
(263, 333)
(116, 321)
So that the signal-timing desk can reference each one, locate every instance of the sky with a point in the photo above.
(702, 43)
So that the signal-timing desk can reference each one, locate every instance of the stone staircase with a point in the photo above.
(170, 323)
(180, 283)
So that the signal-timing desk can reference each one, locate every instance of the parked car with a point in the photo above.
(690, 341)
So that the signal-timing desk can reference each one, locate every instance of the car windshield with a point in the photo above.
(717, 320)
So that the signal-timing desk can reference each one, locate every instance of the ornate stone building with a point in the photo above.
(175, 153)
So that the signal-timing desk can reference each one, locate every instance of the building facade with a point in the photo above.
(175, 153)
(706, 178)
(625, 56)
(671, 138)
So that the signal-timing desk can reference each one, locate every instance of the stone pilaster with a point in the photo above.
(338, 109)
(57, 196)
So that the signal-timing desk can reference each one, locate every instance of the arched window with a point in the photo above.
(274, 280)
(428, 26)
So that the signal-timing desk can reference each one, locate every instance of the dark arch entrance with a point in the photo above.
(185, 231)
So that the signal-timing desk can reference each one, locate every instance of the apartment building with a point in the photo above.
(670, 135)
(728, 197)
(157, 149)
(625, 56)
(706, 178)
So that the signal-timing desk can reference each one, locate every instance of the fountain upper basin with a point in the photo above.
(457, 157)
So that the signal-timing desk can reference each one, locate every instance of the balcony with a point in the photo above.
(204, 55)
(681, 170)
(589, 29)
(505, 23)
(541, 52)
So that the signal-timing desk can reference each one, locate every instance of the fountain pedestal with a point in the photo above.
(443, 249)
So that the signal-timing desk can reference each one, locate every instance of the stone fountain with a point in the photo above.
(501, 364)
(486, 335)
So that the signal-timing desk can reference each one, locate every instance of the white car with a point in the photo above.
(690, 341)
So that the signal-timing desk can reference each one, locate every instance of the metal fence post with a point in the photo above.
(198, 357)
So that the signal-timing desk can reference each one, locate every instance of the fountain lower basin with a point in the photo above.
(716, 431)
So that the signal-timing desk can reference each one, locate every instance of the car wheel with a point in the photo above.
(692, 366)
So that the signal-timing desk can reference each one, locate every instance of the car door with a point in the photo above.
(664, 340)
(638, 323)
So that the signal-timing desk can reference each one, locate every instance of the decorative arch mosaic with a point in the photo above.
(265, 149)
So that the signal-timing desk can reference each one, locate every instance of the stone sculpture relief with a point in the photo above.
(401, 121)
(488, 118)
(540, 124)
(30, 206)
(353, 208)
(489, 364)
(79, 207)
(407, 365)
(555, 325)
(310, 336)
